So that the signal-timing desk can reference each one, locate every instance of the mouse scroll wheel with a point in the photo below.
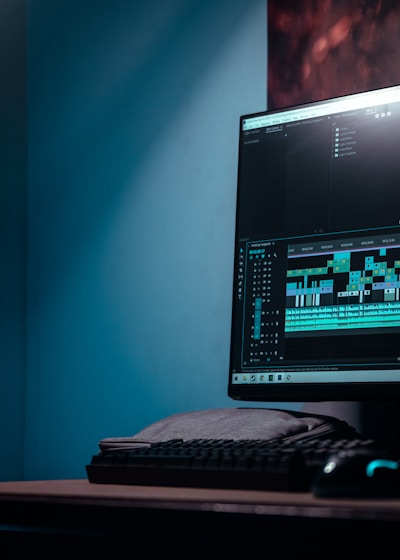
(329, 467)
(375, 464)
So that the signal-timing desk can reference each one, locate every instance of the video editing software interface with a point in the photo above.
(317, 259)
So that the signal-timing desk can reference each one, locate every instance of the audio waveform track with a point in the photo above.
(343, 317)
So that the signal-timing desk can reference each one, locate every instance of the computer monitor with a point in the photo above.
(316, 294)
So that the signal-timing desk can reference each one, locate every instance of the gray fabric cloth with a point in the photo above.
(230, 423)
(227, 423)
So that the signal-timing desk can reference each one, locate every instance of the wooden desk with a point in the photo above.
(47, 518)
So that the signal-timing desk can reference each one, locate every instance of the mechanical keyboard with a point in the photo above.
(278, 465)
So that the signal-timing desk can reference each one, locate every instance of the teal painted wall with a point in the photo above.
(119, 154)
(133, 129)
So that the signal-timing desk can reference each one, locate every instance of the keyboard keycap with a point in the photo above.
(242, 464)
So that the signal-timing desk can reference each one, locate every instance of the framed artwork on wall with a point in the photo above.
(325, 48)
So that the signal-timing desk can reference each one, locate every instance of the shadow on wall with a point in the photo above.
(102, 88)
(131, 235)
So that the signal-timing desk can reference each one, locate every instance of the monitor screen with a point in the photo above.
(316, 294)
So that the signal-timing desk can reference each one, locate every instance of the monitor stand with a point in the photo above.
(381, 421)
(378, 420)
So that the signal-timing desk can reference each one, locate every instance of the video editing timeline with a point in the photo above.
(333, 286)
(343, 289)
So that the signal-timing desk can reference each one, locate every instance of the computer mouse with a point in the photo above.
(358, 473)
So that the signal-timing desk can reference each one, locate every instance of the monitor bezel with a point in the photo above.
(321, 391)
(316, 392)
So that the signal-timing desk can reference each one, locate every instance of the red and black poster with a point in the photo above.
(325, 48)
